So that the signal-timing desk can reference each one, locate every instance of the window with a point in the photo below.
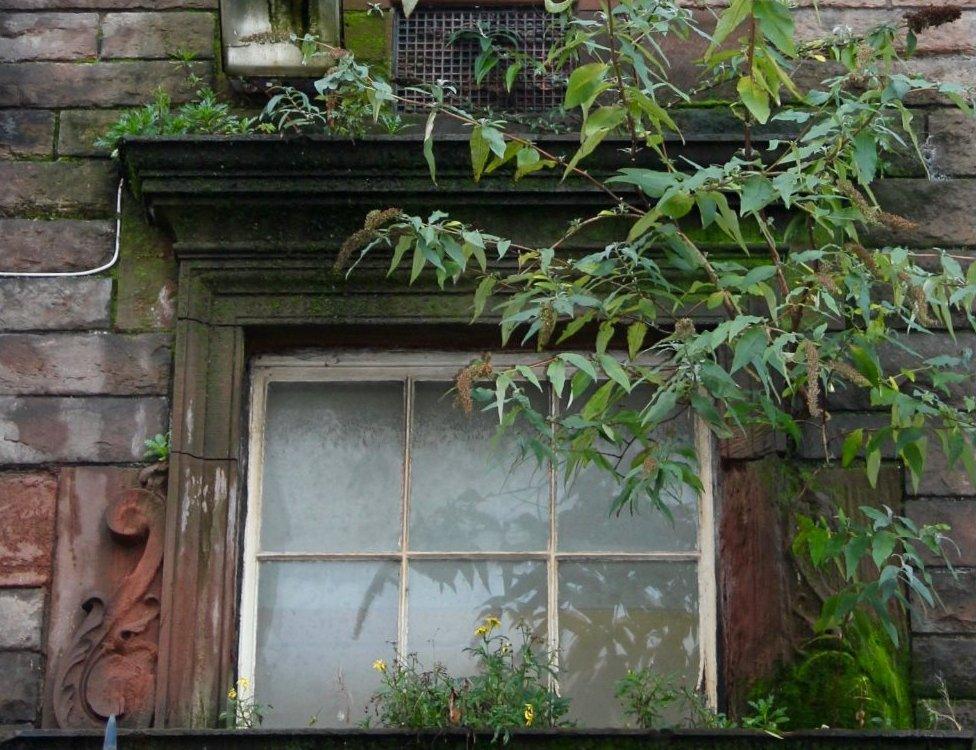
(380, 516)
(257, 35)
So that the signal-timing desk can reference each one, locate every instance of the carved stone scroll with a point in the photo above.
(109, 664)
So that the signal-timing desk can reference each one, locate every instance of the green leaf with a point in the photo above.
(614, 371)
(873, 467)
(755, 97)
(556, 372)
(418, 262)
(402, 245)
(776, 24)
(748, 347)
(580, 363)
(512, 71)
(429, 145)
(852, 446)
(482, 294)
(757, 193)
(635, 338)
(866, 156)
(728, 22)
(585, 83)
(603, 336)
(480, 151)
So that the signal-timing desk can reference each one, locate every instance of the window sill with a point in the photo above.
(593, 739)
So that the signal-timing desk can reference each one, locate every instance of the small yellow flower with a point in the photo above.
(491, 623)
(243, 683)
(379, 665)
(481, 631)
(529, 714)
(232, 694)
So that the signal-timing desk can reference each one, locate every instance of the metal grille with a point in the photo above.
(423, 55)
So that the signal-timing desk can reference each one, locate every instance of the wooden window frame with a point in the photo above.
(425, 365)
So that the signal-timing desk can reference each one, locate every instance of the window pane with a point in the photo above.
(615, 616)
(320, 626)
(333, 473)
(448, 599)
(465, 492)
(585, 523)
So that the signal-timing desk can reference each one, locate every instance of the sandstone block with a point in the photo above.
(59, 245)
(157, 35)
(26, 132)
(21, 618)
(27, 511)
(48, 36)
(55, 304)
(86, 187)
(21, 691)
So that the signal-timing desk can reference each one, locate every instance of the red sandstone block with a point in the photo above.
(157, 35)
(27, 513)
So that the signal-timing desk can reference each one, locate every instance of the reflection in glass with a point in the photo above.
(615, 616)
(448, 599)
(333, 467)
(465, 492)
(583, 509)
(320, 626)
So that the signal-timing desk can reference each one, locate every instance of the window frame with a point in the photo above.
(427, 365)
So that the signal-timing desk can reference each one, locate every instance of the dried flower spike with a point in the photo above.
(928, 18)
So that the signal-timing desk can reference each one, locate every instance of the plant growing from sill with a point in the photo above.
(241, 711)
(511, 688)
(158, 447)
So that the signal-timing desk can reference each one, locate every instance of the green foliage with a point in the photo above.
(205, 115)
(766, 716)
(891, 544)
(158, 447)
(804, 311)
(512, 687)
(853, 679)
(656, 701)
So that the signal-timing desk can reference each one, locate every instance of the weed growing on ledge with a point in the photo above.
(511, 688)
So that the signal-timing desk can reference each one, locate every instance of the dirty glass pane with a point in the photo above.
(583, 511)
(447, 600)
(320, 626)
(333, 467)
(615, 616)
(466, 494)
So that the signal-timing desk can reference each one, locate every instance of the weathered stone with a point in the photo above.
(80, 128)
(37, 430)
(70, 364)
(146, 296)
(939, 479)
(48, 36)
(86, 187)
(157, 35)
(961, 517)
(55, 304)
(107, 4)
(21, 686)
(21, 618)
(26, 132)
(27, 510)
(60, 245)
(105, 84)
(957, 611)
(941, 210)
(951, 146)
(949, 658)
(813, 23)
(90, 560)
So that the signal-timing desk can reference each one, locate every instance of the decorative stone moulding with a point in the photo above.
(109, 665)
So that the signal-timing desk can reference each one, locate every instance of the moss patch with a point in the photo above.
(367, 36)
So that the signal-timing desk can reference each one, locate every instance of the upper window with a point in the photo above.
(380, 517)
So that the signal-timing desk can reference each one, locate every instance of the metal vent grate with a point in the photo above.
(422, 54)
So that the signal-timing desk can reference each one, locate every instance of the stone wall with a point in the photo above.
(85, 362)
